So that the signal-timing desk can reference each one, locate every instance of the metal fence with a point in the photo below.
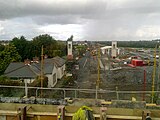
(61, 93)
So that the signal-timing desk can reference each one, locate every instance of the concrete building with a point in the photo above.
(106, 50)
(114, 49)
(70, 48)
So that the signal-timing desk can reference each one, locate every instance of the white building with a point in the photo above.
(114, 49)
(50, 71)
(60, 65)
(52, 77)
(106, 50)
(70, 48)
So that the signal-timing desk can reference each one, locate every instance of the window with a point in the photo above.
(69, 46)
(113, 45)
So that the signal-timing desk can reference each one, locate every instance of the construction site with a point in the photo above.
(115, 83)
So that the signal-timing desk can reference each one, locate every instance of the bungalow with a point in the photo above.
(29, 71)
(60, 65)
(20, 71)
(50, 71)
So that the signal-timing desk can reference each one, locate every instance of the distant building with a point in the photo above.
(4, 43)
(106, 50)
(114, 49)
(70, 48)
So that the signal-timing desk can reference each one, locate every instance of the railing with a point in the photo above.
(61, 93)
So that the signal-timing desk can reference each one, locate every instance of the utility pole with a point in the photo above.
(158, 80)
(144, 84)
(154, 74)
(98, 79)
(26, 88)
(42, 69)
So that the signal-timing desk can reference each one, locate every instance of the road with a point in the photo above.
(87, 64)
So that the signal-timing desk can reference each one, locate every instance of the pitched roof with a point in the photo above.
(20, 70)
(58, 61)
(48, 66)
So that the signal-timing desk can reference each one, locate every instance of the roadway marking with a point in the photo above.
(85, 62)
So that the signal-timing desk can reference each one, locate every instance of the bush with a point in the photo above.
(68, 80)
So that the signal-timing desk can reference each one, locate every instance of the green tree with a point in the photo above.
(1, 47)
(9, 54)
(30, 49)
(49, 45)
(22, 46)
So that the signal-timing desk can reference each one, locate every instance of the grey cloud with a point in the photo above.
(122, 22)
(58, 19)
(102, 19)
(19, 8)
(54, 12)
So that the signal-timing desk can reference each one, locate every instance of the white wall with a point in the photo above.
(114, 49)
(52, 78)
(57, 73)
(106, 51)
(61, 72)
(29, 80)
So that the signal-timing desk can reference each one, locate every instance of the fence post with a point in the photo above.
(117, 94)
(145, 113)
(22, 113)
(75, 93)
(64, 93)
(103, 115)
(61, 113)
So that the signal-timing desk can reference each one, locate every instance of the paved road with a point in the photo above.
(84, 73)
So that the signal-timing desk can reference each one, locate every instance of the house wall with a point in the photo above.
(52, 78)
(29, 80)
(60, 72)
(106, 51)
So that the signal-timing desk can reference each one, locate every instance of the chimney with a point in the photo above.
(35, 59)
(27, 62)
(45, 56)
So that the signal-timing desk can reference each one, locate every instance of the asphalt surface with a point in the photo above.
(88, 70)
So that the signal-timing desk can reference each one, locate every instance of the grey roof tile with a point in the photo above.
(19, 70)
(58, 61)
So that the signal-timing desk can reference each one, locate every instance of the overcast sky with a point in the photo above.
(84, 19)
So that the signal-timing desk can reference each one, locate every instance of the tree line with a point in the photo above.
(133, 44)
(19, 49)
